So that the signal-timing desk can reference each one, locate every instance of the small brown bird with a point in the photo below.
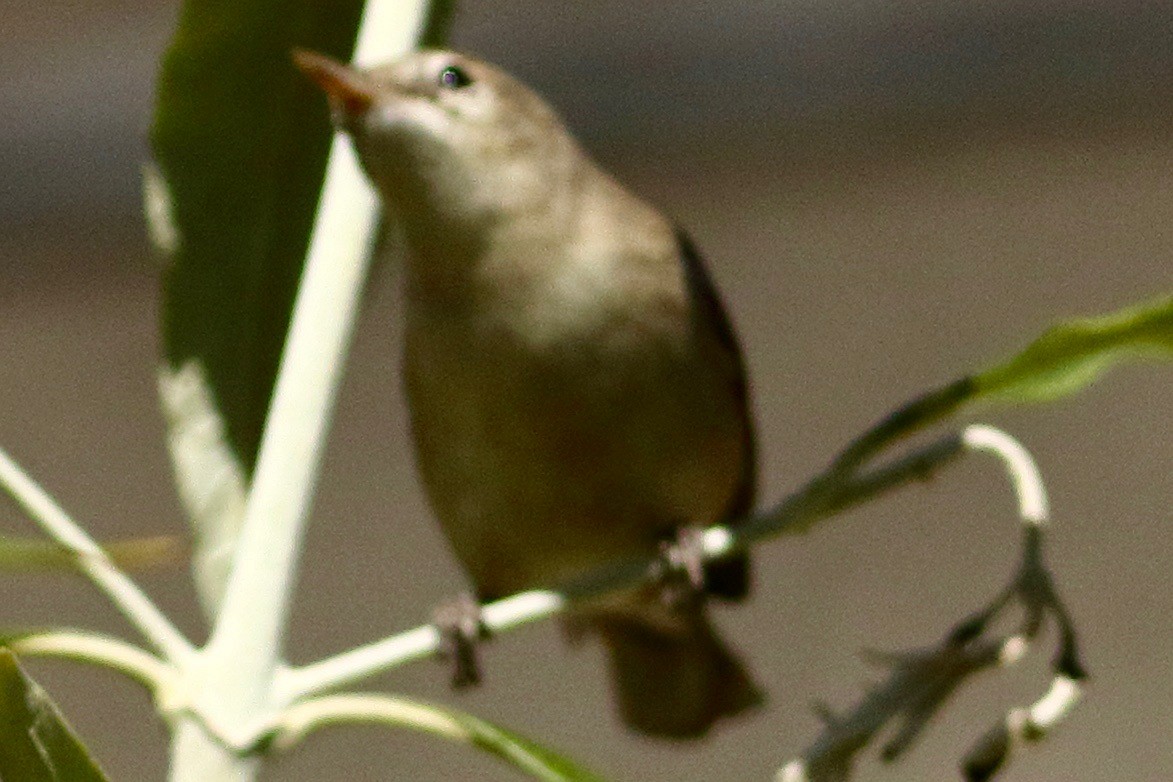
(576, 391)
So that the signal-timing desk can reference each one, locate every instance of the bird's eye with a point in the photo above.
(454, 78)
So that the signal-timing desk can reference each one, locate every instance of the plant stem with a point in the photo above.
(198, 757)
(245, 645)
(394, 712)
(237, 668)
(97, 649)
(921, 412)
(92, 560)
(827, 494)
(1029, 489)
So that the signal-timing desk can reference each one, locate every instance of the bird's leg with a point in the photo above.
(461, 628)
(681, 572)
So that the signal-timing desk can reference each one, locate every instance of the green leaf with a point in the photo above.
(1063, 360)
(534, 759)
(28, 554)
(1071, 355)
(208, 474)
(240, 141)
(36, 744)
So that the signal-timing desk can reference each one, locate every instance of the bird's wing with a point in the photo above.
(725, 578)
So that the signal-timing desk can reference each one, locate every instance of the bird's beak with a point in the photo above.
(349, 90)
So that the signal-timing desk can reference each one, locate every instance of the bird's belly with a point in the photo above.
(544, 464)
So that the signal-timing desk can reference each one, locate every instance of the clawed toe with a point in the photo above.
(682, 567)
(461, 629)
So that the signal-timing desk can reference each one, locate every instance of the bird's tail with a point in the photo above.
(675, 682)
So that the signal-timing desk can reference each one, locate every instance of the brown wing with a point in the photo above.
(728, 578)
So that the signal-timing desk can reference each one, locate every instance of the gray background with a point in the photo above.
(889, 193)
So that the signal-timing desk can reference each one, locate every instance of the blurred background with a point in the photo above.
(890, 194)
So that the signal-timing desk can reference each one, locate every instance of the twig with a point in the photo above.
(820, 498)
(912, 417)
(122, 591)
(922, 681)
(395, 712)
(243, 652)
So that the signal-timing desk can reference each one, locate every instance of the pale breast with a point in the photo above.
(572, 418)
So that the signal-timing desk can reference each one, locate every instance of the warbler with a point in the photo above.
(577, 394)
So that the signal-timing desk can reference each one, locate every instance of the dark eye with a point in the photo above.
(454, 78)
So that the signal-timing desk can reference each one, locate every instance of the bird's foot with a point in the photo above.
(681, 572)
(461, 628)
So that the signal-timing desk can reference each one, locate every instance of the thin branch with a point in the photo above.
(990, 753)
(244, 650)
(912, 417)
(833, 491)
(1033, 507)
(94, 562)
(390, 711)
(422, 642)
(301, 719)
(1050, 709)
(98, 649)
(820, 498)
(922, 681)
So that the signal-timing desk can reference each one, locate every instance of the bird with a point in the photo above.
(576, 392)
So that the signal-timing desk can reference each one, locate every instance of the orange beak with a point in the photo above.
(348, 89)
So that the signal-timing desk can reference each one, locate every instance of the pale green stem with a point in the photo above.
(365, 661)
(198, 757)
(394, 712)
(304, 718)
(235, 691)
(92, 561)
(820, 498)
(97, 649)
(245, 646)
(823, 496)
(1049, 710)
(830, 759)
(1024, 474)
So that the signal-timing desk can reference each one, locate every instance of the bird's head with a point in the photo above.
(444, 136)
